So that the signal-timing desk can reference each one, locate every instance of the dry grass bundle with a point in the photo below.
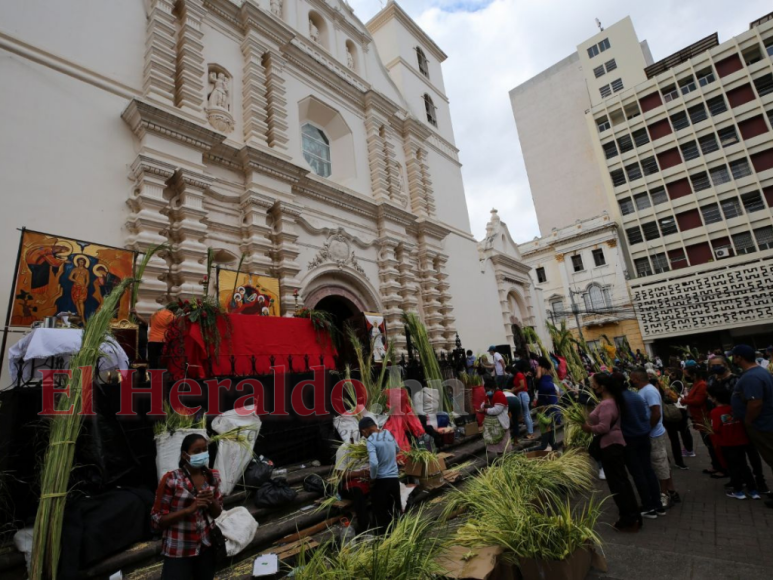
(58, 462)
(243, 436)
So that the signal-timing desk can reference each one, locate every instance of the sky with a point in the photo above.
(495, 45)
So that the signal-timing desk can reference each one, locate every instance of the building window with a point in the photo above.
(740, 168)
(677, 259)
(593, 51)
(618, 177)
(700, 181)
(669, 93)
(617, 85)
(605, 91)
(731, 208)
(642, 266)
(744, 244)
(593, 345)
(604, 45)
(541, 275)
(752, 202)
(602, 124)
(316, 150)
(680, 121)
(764, 237)
(633, 171)
(557, 306)
(625, 144)
(705, 76)
(577, 263)
(660, 263)
(651, 231)
(659, 195)
(697, 113)
(668, 226)
(687, 85)
(641, 137)
(649, 165)
(598, 257)
(711, 214)
(626, 206)
(599, 71)
(728, 136)
(634, 235)
(690, 150)
(717, 105)
(611, 65)
(719, 175)
(764, 85)
(430, 109)
(708, 144)
(610, 150)
(642, 201)
(595, 299)
(768, 46)
(423, 62)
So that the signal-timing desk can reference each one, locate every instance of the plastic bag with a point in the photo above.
(315, 484)
(168, 449)
(258, 473)
(238, 528)
(233, 457)
(273, 493)
(23, 542)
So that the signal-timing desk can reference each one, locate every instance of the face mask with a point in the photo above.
(718, 370)
(489, 393)
(199, 459)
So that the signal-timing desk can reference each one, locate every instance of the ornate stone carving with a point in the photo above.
(349, 59)
(219, 100)
(337, 250)
(313, 31)
(276, 8)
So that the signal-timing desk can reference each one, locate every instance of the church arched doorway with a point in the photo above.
(344, 313)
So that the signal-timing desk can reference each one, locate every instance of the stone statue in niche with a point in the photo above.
(276, 8)
(349, 58)
(219, 100)
(219, 97)
(313, 31)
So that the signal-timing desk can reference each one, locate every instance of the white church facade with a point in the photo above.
(319, 147)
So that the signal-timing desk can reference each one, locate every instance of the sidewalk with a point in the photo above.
(708, 535)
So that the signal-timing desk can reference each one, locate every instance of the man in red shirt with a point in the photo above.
(731, 440)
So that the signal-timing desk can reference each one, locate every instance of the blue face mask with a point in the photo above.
(199, 459)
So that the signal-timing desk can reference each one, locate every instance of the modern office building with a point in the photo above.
(687, 161)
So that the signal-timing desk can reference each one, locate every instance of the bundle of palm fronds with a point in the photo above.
(575, 415)
(471, 379)
(139, 270)
(429, 361)
(424, 457)
(244, 437)
(58, 462)
(408, 551)
(175, 421)
(564, 345)
(533, 338)
(351, 457)
(374, 382)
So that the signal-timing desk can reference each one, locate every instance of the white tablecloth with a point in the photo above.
(42, 343)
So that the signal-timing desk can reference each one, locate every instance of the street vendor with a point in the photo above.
(188, 500)
(496, 422)
(384, 485)
(160, 322)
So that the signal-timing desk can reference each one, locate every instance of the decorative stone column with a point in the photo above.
(160, 52)
(285, 251)
(446, 308)
(188, 233)
(254, 99)
(430, 296)
(256, 233)
(276, 107)
(189, 81)
(148, 225)
(389, 289)
(405, 255)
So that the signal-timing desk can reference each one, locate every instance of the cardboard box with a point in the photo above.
(485, 564)
(575, 567)
(420, 470)
(471, 429)
(537, 454)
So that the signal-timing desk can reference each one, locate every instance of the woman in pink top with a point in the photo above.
(605, 422)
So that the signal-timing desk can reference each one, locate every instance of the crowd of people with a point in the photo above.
(640, 411)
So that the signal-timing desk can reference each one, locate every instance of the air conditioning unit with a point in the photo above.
(722, 253)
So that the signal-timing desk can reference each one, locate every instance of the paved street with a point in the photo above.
(708, 535)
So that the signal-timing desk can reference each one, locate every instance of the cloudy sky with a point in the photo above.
(495, 45)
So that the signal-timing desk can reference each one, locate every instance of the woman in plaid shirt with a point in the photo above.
(188, 500)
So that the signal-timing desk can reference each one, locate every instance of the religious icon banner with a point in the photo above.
(249, 294)
(59, 274)
(376, 334)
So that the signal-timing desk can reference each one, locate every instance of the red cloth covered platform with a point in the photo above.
(260, 337)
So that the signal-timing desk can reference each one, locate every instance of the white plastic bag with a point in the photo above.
(427, 402)
(238, 527)
(23, 542)
(168, 449)
(232, 457)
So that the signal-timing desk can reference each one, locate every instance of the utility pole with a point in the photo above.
(576, 312)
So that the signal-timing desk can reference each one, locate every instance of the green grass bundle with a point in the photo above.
(374, 385)
(408, 551)
(175, 421)
(533, 338)
(242, 436)
(424, 457)
(429, 362)
(350, 457)
(58, 462)
(575, 416)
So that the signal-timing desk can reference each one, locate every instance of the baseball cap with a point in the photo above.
(744, 351)
(492, 348)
